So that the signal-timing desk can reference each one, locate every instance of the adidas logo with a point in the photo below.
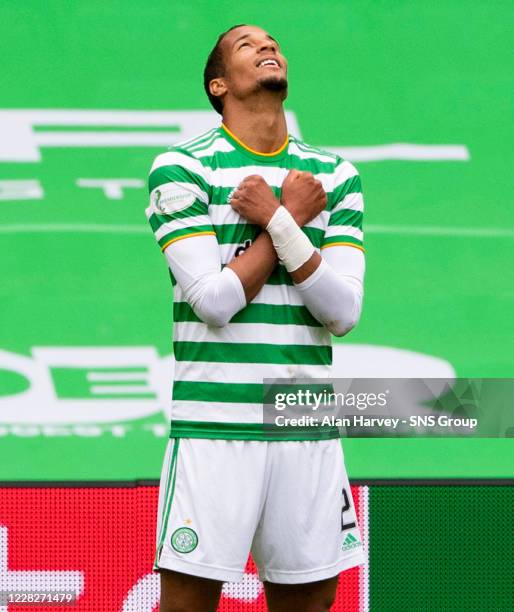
(351, 542)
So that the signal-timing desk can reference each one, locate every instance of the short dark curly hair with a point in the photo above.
(215, 67)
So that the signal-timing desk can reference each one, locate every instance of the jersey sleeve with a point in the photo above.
(346, 207)
(179, 198)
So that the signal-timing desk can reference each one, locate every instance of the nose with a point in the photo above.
(267, 45)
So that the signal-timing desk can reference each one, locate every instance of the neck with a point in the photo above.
(260, 125)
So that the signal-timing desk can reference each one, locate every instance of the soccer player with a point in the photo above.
(263, 237)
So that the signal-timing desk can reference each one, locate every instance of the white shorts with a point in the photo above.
(288, 503)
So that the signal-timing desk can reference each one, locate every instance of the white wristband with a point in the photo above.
(291, 244)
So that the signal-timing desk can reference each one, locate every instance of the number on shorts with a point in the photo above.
(346, 507)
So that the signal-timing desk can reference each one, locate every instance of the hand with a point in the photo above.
(303, 196)
(254, 200)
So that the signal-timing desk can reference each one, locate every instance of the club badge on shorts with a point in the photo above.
(184, 540)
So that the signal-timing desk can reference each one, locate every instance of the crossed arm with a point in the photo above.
(330, 286)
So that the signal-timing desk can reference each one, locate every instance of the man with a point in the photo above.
(253, 299)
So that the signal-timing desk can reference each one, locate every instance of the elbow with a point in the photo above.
(347, 319)
(344, 324)
(213, 317)
(216, 298)
(341, 327)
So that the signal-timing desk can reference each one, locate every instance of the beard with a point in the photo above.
(272, 83)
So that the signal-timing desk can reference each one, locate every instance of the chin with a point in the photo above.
(273, 83)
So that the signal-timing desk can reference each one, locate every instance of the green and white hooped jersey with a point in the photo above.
(219, 372)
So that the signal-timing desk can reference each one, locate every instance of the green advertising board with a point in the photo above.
(417, 95)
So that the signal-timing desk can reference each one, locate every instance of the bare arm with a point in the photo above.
(254, 266)
(331, 291)
(302, 273)
(255, 201)
(304, 197)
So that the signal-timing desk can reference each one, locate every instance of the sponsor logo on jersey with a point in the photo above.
(242, 248)
(184, 540)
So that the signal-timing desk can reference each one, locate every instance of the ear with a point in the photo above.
(218, 87)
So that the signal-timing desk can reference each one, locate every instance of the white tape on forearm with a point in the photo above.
(291, 244)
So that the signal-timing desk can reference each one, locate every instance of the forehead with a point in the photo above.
(244, 32)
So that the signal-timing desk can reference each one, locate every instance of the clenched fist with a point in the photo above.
(254, 200)
(303, 196)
